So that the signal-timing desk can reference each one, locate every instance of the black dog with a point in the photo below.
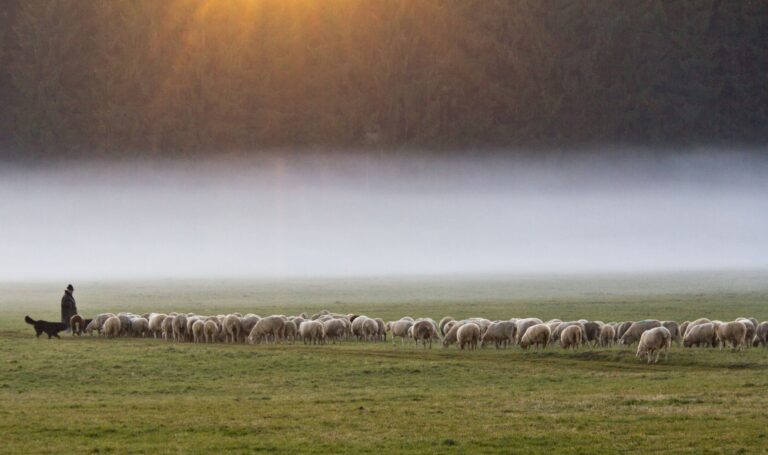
(52, 329)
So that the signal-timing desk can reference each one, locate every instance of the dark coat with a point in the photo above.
(68, 308)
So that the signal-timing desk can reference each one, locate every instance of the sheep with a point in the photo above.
(555, 334)
(445, 320)
(93, 326)
(155, 323)
(231, 328)
(751, 328)
(592, 331)
(524, 324)
(622, 327)
(451, 335)
(381, 333)
(482, 323)
(500, 332)
(400, 329)
(167, 327)
(694, 324)
(270, 326)
(357, 326)
(761, 335)
(537, 335)
(125, 323)
(111, 327)
(291, 331)
(210, 330)
(553, 324)
(312, 332)
(674, 330)
(335, 329)
(571, 337)
(198, 331)
(683, 328)
(734, 331)
(77, 325)
(139, 327)
(700, 334)
(468, 335)
(607, 335)
(654, 341)
(424, 330)
(247, 323)
(635, 331)
(180, 327)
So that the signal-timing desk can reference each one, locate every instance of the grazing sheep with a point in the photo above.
(139, 327)
(291, 331)
(111, 327)
(231, 327)
(77, 324)
(424, 330)
(683, 328)
(198, 331)
(468, 335)
(607, 335)
(335, 329)
(553, 325)
(93, 326)
(156, 324)
(537, 335)
(445, 320)
(180, 327)
(622, 328)
(381, 333)
(674, 330)
(312, 332)
(210, 330)
(734, 331)
(400, 329)
(654, 341)
(451, 335)
(555, 335)
(761, 335)
(635, 331)
(501, 333)
(125, 323)
(751, 329)
(524, 324)
(247, 323)
(357, 326)
(694, 324)
(592, 331)
(369, 329)
(571, 337)
(270, 326)
(700, 335)
(167, 327)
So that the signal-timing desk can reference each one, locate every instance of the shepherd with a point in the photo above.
(68, 306)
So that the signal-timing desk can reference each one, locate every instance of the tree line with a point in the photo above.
(147, 77)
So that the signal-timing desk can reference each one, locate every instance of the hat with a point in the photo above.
(70, 288)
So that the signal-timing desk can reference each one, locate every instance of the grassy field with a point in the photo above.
(94, 395)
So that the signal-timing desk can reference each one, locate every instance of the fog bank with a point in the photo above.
(365, 215)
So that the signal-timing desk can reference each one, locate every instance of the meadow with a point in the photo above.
(93, 395)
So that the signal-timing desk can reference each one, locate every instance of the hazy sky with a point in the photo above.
(364, 216)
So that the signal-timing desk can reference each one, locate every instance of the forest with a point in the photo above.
(185, 77)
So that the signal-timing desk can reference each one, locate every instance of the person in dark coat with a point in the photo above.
(68, 306)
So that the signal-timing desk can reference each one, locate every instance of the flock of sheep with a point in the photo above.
(653, 336)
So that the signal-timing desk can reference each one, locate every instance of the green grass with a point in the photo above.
(94, 395)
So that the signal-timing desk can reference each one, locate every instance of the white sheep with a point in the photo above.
(653, 341)
(536, 335)
(468, 335)
(111, 327)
